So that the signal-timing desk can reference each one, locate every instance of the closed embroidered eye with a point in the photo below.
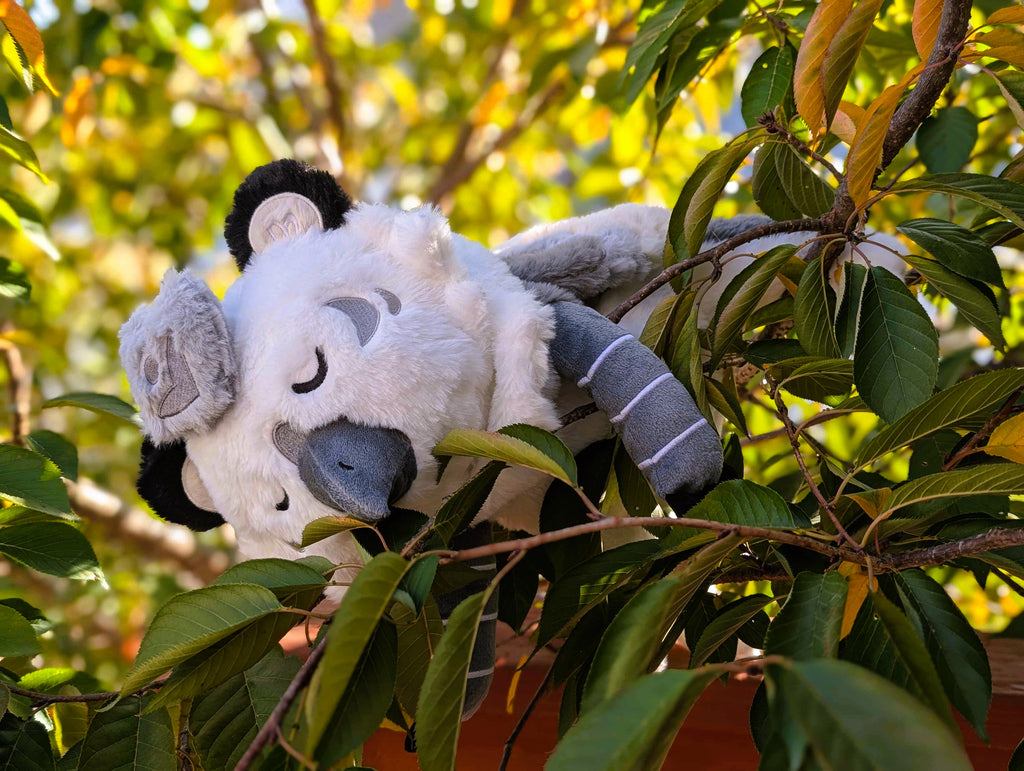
(282, 505)
(317, 380)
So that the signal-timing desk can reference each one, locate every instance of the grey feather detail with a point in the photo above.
(550, 293)
(364, 315)
(584, 265)
(723, 228)
(393, 303)
(288, 441)
(178, 357)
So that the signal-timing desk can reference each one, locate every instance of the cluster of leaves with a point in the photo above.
(917, 467)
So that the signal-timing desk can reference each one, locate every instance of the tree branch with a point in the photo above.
(506, 753)
(996, 538)
(985, 430)
(462, 171)
(713, 254)
(335, 96)
(19, 393)
(273, 724)
(956, 15)
(151, 536)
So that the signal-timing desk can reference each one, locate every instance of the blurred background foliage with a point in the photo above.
(503, 112)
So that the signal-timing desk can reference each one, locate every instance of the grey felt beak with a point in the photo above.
(360, 470)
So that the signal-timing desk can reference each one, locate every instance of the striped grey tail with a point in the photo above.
(659, 424)
(481, 662)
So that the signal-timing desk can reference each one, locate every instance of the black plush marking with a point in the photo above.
(160, 486)
(284, 176)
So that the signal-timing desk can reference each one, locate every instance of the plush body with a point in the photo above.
(358, 336)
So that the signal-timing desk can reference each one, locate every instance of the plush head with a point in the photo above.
(354, 340)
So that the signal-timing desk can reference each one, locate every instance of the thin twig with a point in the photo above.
(713, 254)
(794, 441)
(611, 523)
(579, 413)
(985, 430)
(996, 538)
(1008, 580)
(506, 753)
(772, 126)
(271, 727)
(287, 747)
(45, 699)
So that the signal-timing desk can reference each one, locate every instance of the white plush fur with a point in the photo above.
(467, 350)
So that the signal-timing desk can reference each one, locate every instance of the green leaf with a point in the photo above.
(726, 402)
(914, 654)
(14, 282)
(766, 86)
(810, 194)
(325, 527)
(692, 211)
(58, 449)
(848, 714)
(809, 624)
(354, 622)
(416, 583)
(283, 577)
(651, 38)
(585, 584)
(959, 249)
(459, 510)
(812, 378)
(945, 140)
(24, 745)
(20, 151)
(51, 547)
(969, 399)
(814, 311)
(418, 638)
(226, 720)
(193, 621)
(17, 637)
(954, 646)
(1002, 196)
(629, 643)
(986, 479)
(896, 359)
(725, 624)
(766, 185)
(741, 296)
(102, 403)
(439, 710)
(33, 481)
(366, 699)
(518, 445)
(294, 584)
(125, 738)
(742, 502)
(969, 300)
(633, 731)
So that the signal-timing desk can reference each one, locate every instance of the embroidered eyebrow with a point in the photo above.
(317, 380)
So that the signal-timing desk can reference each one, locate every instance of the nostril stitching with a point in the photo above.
(345, 466)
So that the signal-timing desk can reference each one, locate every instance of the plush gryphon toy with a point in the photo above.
(358, 336)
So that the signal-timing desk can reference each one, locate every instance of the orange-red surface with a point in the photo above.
(714, 737)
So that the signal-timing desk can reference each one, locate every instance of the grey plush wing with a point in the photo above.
(579, 266)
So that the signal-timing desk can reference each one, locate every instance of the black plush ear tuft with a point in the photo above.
(283, 176)
(160, 485)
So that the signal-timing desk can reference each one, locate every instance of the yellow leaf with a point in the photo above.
(872, 501)
(843, 52)
(857, 591)
(510, 699)
(848, 117)
(21, 27)
(1007, 441)
(925, 26)
(1013, 14)
(866, 150)
(808, 86)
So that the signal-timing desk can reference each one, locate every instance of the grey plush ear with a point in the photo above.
(178, 357)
